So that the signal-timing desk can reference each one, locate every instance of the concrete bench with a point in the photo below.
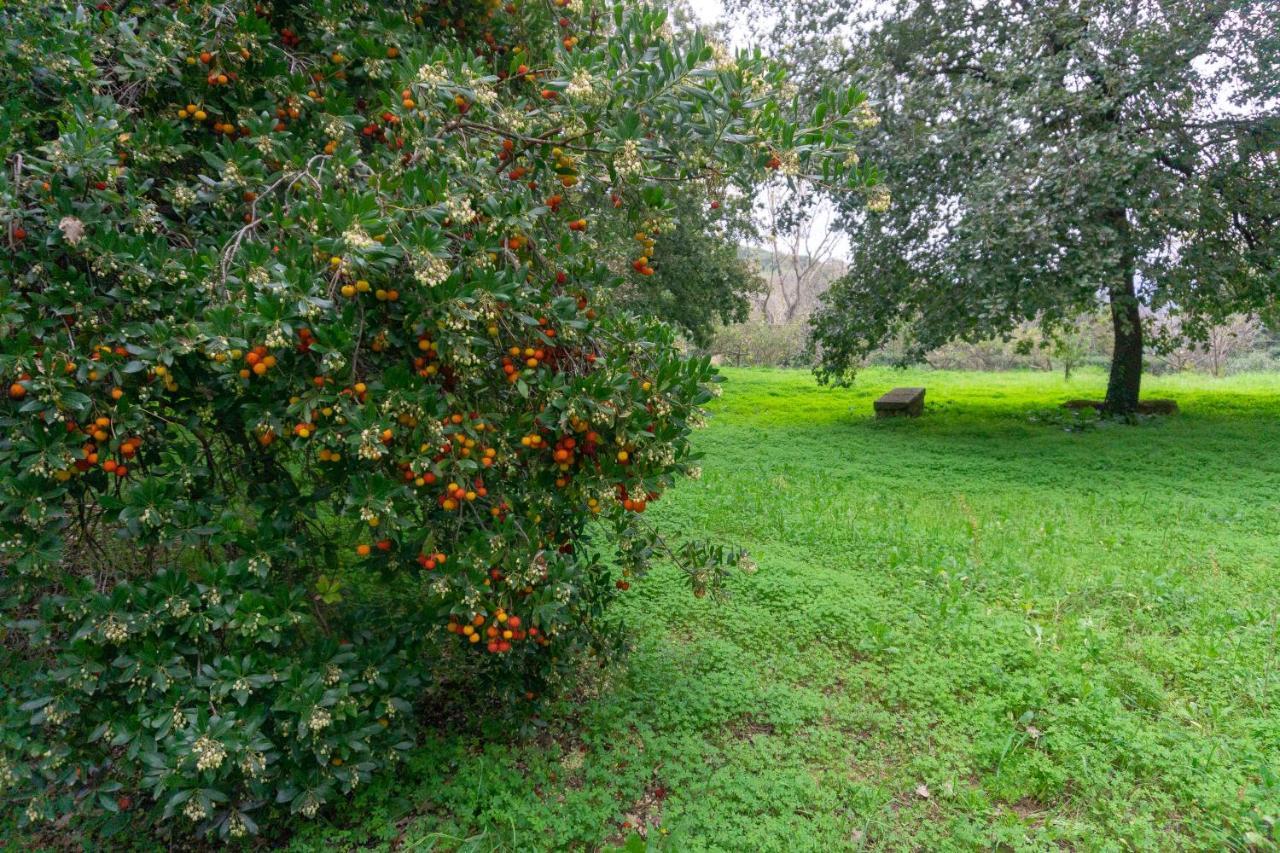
(901, 401)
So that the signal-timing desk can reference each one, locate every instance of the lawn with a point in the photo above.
(972, 630)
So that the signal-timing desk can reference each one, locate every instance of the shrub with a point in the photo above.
(318, 402)
(756, 343)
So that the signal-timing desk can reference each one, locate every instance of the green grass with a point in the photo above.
(1061, 637)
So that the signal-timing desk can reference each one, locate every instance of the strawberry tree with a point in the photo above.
(320, 398)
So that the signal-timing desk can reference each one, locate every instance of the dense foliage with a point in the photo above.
(1044, 157)
(700, 277)
(318, 402)
(949, 646)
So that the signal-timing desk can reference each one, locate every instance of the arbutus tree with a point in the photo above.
(321, 399)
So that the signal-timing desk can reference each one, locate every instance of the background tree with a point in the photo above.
(1044, 156)
(1221, 344)
(1072, 343)
(800, 253)
(692, 274)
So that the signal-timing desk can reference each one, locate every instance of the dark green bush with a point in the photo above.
(319, 401)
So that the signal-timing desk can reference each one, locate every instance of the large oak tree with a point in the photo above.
(1045, 156)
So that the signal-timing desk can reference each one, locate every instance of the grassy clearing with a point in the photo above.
(969, 630)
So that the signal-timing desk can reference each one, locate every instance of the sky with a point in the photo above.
(708, 10)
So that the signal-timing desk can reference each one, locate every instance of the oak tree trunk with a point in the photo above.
(1126, 322)
(1126, 361)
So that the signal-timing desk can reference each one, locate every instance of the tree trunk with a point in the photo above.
(1126, 361)
(1126, 323)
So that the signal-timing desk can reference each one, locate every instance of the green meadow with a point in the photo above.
(995, 627)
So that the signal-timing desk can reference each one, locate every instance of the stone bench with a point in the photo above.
(901, 401)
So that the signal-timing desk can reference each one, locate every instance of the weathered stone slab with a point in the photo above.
(901, 401)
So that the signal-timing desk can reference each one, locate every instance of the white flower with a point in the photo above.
(309, 806)
(319, 720)
(879, 199)
(627, 160)
(356, 238)
(114, 631)
(458, 208)
(432, 75)
(332, 362)
(431, 271)
(276, 338)
(209, 753)
(723, 59)
(334, 127)
(253, 765)
(866, 118)
(584, 87)
(183, 196)
(194, 810)
(258, 275)
(371, 445)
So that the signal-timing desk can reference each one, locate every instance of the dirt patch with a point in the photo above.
(1145, 407)
(643, 816)
(749, 728)
(1030, 810)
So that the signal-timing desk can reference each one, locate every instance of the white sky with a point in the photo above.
(708, 10)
